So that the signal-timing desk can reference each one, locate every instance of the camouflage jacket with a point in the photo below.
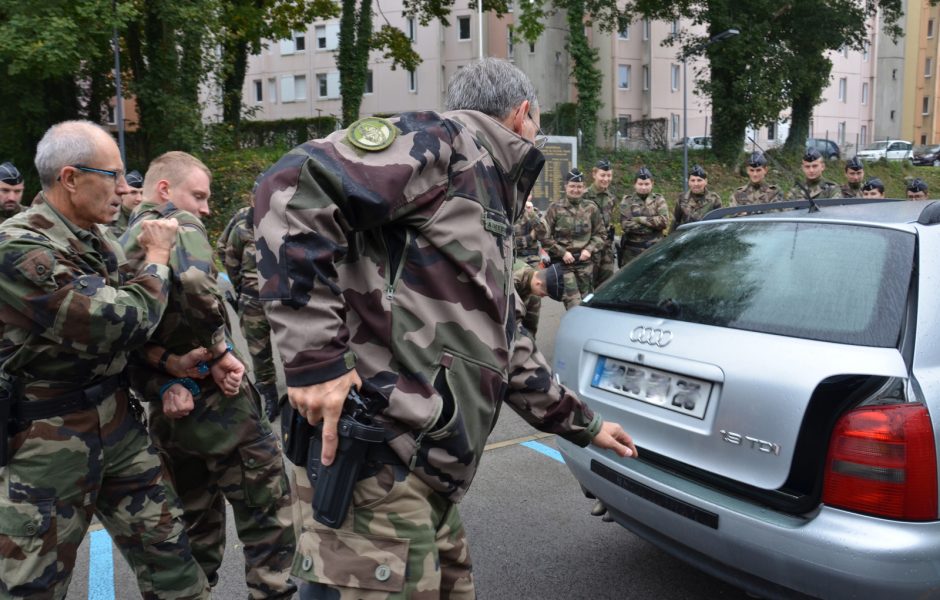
(236, 251)
(529, 232)
(606, 202)
(693, 207)
(762, 193)
(522, 274)
(849, 190)
(70, 307)
(399, 263)
(817, 189)
(4, 215)
(573, 227)
(643, 220)
(119, 225)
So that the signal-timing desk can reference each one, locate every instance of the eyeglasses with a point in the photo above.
(540, 138)
(116, 175)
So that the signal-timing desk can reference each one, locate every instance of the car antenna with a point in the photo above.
(813, 207)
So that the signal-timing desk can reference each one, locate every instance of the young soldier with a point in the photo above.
(528, 234)
(757, 191)
(129, 201)
(11, 191)
(601, 194)
(813, 166)
(917, 189)
(698, 201)
(873, 188)
(644, 217)
(854, 175)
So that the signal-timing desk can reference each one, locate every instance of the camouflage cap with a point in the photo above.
(854, 164)
(643, 173)
(756, 159)
(698, 171)
(554, 282)
(134, 179)
(811, 155)
(574, 175)
(873, 183)
(917, 185)
(603, 164)
(10, 175)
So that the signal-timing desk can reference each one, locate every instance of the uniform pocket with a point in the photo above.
(28, 545)
(368, 563)
(263, 476)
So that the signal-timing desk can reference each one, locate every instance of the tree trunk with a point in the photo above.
(235, 54)
(800, 114)
(587, 77)
(355, 37)
(728, 124)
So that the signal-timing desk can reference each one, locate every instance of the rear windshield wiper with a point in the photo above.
(664, 308)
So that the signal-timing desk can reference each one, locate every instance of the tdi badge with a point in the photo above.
(372, 134)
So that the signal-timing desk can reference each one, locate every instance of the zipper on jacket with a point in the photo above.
(414, 457)
(393, 267)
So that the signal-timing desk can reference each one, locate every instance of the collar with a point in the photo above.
(62, 227)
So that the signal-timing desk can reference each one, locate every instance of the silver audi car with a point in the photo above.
(780, 374)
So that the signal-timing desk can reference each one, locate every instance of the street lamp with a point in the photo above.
(728, 33)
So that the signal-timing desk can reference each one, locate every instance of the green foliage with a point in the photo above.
(587, 77)
(561, 121)
(285, 133)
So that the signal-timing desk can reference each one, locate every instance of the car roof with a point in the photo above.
(897, 212)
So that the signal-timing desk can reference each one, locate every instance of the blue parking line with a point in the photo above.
(546, 450)
(100, 567)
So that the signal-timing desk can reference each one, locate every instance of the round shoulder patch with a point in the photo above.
(372, 134)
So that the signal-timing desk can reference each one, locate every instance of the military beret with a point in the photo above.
(603, 164)
(10, 174)
(698, 171)
(756, 159)
(873, 183)
(643, 173)
(854, 164)
(554, 282)
(134, 179)
(917, 185)
(574, 175)
(811, 155)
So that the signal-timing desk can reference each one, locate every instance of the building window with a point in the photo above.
(322, 89)
(412, 81)
(865, 93)
(111, 114)
(843, 83)
(930, 28)
(463, 28)
(675, 126)
(674, 28)
(412, 29)
(327, 36)
(928, 67)
(845, 51)
(675, 77)
(646, 77)
(531, 47)
(923, 139)
(925, 108)
(646, 29)
(623, 77)
(369, 88)
(771, 132)
(511, 43)
(293, 88)
(624, 34)
(863, 136)
(866, 49)
(892, 115)
(258, 90)
(840, 132)
(623, 126)
(296, 43)
(328, 85)
(272, 90)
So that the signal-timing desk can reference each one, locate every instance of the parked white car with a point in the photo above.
(888, 150)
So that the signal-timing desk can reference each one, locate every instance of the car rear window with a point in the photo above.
(831, 282)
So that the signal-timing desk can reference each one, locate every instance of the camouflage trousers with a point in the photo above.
(630, 251)
(579, 282)
(533, 303)
(66, 470)
(225, 450)
(400, 541)
(603, 265)
(257, 332)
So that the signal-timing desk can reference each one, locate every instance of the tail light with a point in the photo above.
(882, 461)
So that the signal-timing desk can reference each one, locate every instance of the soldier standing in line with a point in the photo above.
(575, 234)
(71, 443)
(644, 217)
(917, 189)
(854, 176)
(216, 441)
(11, 191)
(813, 166)
(601, 194)
(757, 191)
(129, 201)
(528, 234)
(873, 188)
(694, 204)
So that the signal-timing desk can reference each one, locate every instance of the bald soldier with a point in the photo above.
(757, 191)
(813, 167)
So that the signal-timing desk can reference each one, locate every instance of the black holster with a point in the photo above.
(6, 419)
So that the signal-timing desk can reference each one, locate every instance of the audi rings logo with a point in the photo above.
(651, 337)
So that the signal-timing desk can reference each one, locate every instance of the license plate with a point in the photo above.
(679, 393)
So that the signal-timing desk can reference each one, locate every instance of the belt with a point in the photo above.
(69, 402)
(527, 253)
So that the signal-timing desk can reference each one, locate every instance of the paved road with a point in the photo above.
(530, 531)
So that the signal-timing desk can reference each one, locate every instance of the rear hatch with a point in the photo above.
(731, 344)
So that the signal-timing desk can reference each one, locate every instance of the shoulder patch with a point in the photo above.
(372, 134)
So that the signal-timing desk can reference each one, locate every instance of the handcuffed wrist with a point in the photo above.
(186, 382)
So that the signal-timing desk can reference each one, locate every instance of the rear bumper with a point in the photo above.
(828, 554)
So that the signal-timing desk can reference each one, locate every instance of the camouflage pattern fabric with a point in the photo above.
(68, 322)
(225, 445)
(6, 214)
(523, 271)
(606, 202)
(763, 193)
(820, 188)
(693, 207)
(851, 190)
(644, 221)
(119, 225)
(528, 234)
(575, 225)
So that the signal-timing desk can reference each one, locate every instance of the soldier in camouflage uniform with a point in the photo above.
(11, 191)
(576, 232)
(757, 191)
(386, 264)
(129, 201)
(236, 251)
(528, 234)
(644, 217)
(70, 311)
(601, 194)
(697, 202)
(917, 189)
(215, 439)
(854, 176)
(873, 188)
(813, 166)
(535, 282)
